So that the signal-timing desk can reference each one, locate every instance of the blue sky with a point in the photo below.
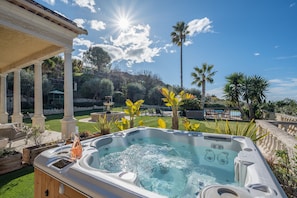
(256, 37)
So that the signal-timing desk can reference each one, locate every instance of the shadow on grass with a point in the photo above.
(6, 178)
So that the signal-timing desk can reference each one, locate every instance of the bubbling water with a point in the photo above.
(170, 170)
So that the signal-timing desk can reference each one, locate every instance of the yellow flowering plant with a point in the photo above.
(132, 110)
(174, 101)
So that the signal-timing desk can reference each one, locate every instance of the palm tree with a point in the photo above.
(254, 93)
(201, 77)
(178, 37)
(234, 88)
(241, 88)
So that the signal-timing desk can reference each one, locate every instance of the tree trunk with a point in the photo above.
(181, 64)
(203, 95)
(131, 123)
(174, 120)
(251, 111)
(241, 112)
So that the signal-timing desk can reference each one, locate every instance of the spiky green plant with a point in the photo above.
(249, 130)
(104, 124)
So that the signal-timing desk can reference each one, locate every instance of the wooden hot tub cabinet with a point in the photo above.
(46, 186)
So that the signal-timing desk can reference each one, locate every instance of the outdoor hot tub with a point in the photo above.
(151, 162)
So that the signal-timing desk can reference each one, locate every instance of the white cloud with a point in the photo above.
(104, 39)
(116, 53)
(51, 2)
(286, 57)
(165, 48)
(81, 41)
(275, 81)
(132, 46)
(77, 57)
(136, 35)
(136, 45)
(290, 82)
(97, 25)
(199, 26)
(256, 54)
(188, 42)
(218, 92)
(80, 22)
(280, 89)
(280, 93)
(292, 5)
(87, 4)
(80, 54)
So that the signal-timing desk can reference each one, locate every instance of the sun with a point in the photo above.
(123, 18)
(123, 23)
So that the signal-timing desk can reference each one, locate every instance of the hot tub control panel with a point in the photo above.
(62, 163)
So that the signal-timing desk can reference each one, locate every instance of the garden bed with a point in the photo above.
(10, 161)
(30, 153)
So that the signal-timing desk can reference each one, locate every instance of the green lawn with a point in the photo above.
(20, 183)
(53, 122)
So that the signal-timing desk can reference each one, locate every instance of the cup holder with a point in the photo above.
(262, 188)
(128, 176)
(221, 191)
(248, 149)
(225, 192)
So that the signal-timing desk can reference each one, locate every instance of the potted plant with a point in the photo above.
(29, 153)
(10, 160)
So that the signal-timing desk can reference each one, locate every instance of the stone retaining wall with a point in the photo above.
(285, 118)
(287, 123)
(276, 139)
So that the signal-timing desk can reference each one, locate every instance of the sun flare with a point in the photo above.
(124, 23)
(124, 18)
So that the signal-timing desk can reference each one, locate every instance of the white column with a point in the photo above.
(17, 115)
(3, 100)
(38, 120)
(68, 122)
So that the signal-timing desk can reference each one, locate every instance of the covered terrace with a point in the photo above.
(29, 34)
